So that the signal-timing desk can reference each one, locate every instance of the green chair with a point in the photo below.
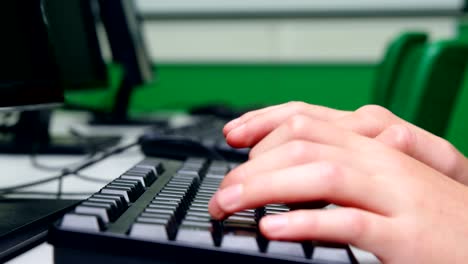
(400, 52)
(426, 92)
(458, 125)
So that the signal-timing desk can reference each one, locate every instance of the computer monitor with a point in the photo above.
(29, 78)
(76, 31)
(123, 28)
(124, 33)
(72, 30)
(29, 87)
(31, 84)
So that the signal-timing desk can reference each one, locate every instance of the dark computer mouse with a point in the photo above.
(173, 146)
(220, 110)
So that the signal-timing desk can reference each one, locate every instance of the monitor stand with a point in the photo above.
(119, 114)
(24, 223)
(30, 135)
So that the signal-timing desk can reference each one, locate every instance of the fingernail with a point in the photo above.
(232, 124)
(214, 209)
(274, 224)
(229, 198)
(237, 130)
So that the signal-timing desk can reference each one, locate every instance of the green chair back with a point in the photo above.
(458, 125)
(398, 53)
(425, 94)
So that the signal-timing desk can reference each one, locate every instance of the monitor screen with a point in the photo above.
(72, 30)
(30, 80)
(125, 38)
(28, 72)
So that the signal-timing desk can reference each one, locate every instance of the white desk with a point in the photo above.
(18, 169)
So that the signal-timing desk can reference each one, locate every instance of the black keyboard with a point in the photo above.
(202, 137)
(157, 211)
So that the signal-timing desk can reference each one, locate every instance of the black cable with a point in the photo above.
(43, 167)
(67, 171)
(90, 178)
(36, 164)
(91, 146)
(60, 188)
(91, 161)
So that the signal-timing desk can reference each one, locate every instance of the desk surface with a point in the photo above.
(23, 171)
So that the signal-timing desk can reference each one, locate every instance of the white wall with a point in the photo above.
(283, 40)
(170, 6)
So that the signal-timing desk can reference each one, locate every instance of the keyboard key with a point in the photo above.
(170, 195)
(160, 211)
(162, 206)
(331, 254)
(132, 195)
(197, 161)
(195, 236)
(199, 214)
(148, 175)
(241, 240)
(285, 248)
(99, 211)
(132, 191)
(139, 188)
(116, 191)
(119, 199)
(209, 230)
(189, 172)
(112, 210)
(141, 179)
(155, 165)
(149, 231)
(82, 222)
(106, 201)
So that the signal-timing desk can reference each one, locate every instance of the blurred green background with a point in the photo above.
(335, 80)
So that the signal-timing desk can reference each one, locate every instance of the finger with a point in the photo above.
(398, 137)
(363, 229)
(369, 120)
(298, 153)
(436, 152)
(234, 123)
(302, 127)
(305, 183)
(429, 149)
(250, 131)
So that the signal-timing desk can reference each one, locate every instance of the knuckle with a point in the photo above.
(297, 150)
(452, 158)
(404, 138)
(298, 106)
(331, 175)
(373, 113)
(297, 126)
(356, 223)
(376, 111)
(374, 117)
